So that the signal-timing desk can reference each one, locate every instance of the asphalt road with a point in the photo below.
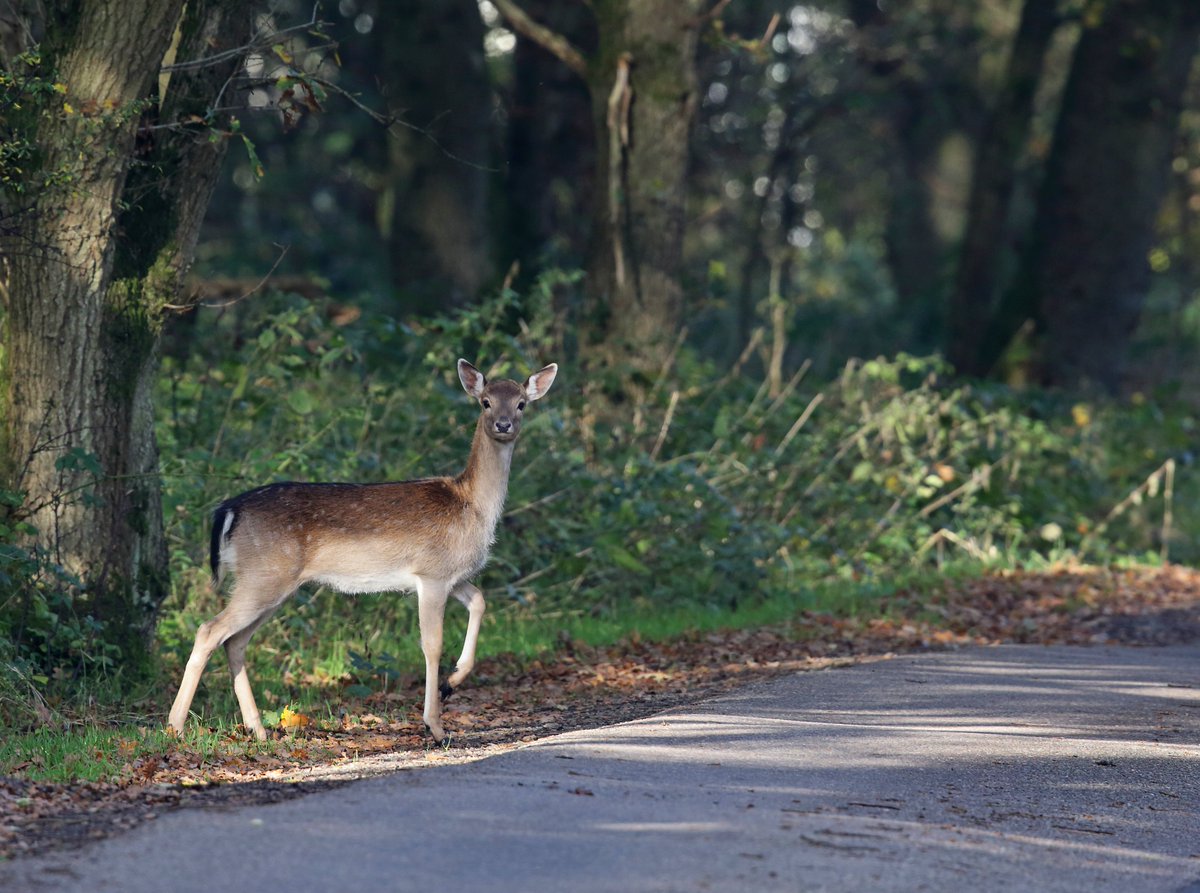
(1013, 768)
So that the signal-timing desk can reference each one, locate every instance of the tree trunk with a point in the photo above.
(437, 225)
(550, 178)
(973, 299)
(1086, 274)
(642, 81)
(634, 275)
(915, 250)
(101, 256)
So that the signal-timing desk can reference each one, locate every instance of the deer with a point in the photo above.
(429, 535)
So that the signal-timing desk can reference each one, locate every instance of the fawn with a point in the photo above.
(430, 535)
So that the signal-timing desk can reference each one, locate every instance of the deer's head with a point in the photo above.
(503, 402)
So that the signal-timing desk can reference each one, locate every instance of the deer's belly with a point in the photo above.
(384, 565)
(369, 580)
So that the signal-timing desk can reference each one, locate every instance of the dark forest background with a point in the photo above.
(1008, 184)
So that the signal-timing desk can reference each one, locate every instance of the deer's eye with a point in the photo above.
(487, 404)
(521, 406)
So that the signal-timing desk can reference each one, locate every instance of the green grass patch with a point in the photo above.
(90, 753)
(330, 672)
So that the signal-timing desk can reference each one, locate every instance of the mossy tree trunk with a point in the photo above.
(96, 261)
(636, 266)
(641, 78)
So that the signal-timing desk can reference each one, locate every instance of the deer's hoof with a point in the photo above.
(445, 690)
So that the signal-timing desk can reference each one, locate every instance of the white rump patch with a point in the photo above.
(226, 550)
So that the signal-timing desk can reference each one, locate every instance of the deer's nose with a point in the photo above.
(504, 425)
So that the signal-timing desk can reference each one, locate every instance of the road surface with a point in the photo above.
(1010, 768)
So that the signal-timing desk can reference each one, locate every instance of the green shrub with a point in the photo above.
(705, 493)
(44, 633)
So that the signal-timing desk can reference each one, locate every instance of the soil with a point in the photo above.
(508, 703)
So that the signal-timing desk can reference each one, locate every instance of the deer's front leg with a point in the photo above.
(471, 597)
(431, 608)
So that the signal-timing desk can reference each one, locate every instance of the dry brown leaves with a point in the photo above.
(509, 701)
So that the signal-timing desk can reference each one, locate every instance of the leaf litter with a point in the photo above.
(508, 701)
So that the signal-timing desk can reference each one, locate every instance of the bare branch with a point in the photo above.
(711, 14)
(283, 249)
(259, 40)
(551, 41)
(770, 32)
(390, 121)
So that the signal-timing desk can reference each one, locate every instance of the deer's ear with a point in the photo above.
(472, 379)
(537, 384)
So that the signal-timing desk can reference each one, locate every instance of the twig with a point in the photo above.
(260, 40)
(799, 423)
(531, 505)
(551, 41)
(755, 339)
(619, 102)
(1168, 507)
(283, 249)
(795, 380)
(778, 332)
(1148, 487)
(978, 476)
(669, 360)
(545, 570)
(390, 121)
(770, 32)
(947, 535)
(711, 14)
(513, 270)
(666, 425)
(847, 442)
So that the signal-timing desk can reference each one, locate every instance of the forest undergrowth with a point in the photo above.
(644, 510)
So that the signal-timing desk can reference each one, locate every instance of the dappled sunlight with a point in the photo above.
(663, 827)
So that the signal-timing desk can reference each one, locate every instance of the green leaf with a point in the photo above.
(252, 154)
(301, 402)
(862, 471)
(622, 557)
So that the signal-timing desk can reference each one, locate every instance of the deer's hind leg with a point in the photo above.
(235, 652)
(246, 611)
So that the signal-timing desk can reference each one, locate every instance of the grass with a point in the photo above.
(98, 750)
(93, 753)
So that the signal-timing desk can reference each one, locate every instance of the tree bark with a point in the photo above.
(642, 83)
(634, 275)
(986, 241)
(99, 258)
(1086, 274)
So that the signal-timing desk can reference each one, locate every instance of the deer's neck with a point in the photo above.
(484, 482)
